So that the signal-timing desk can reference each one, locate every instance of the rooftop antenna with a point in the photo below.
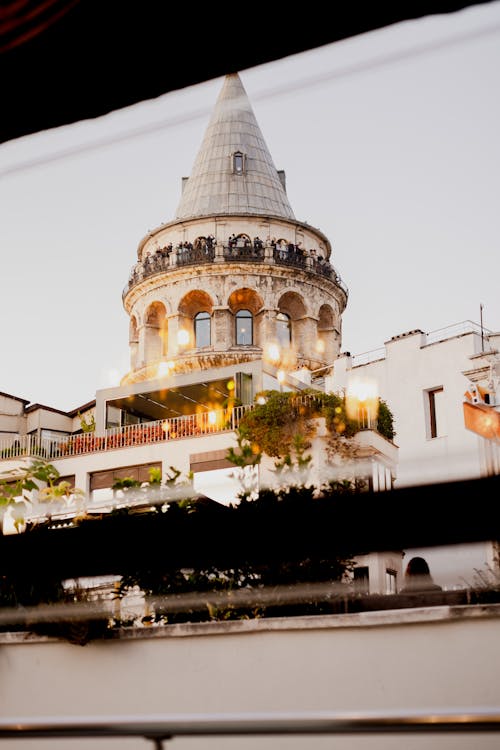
(481, 322)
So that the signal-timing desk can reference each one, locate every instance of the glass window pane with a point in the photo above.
(283, 329)
(202, 329)
(436, 422)
(244, 328)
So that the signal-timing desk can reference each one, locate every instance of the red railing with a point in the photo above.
(192, 425)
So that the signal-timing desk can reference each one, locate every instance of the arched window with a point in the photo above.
(284, 329)
(244, 328)
(202, 329)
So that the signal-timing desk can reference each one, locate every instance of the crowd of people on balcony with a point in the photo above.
(238, 246)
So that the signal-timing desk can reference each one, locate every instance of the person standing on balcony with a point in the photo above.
(418, 577)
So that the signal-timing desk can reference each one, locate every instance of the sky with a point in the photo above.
(390, 143)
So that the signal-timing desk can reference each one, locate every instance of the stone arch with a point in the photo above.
(191, 305)
(326, 333)
(200, 244)
(245, 298)
(292, 303)
(326, 318)
(133, 335)
(155, 332)
(239, 301)
(243, 240)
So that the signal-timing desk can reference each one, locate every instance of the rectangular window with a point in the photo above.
(101, 482)
(361, 576)
(244, 387)
(69, 478)
(113, 416)
(435, 414)
(53, 434)
(116, 417)
(390, 581)
(105, 479)
(209, 461)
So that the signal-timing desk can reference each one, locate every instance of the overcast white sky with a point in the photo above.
(390, 143)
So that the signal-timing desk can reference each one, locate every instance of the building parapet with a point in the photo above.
(433, 337)
(451, 331)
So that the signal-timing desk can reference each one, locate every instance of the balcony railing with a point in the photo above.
(193, 256)
(159, 728)
(250, 253)
(192, 425)
(433, 337)
(162, 262)
(457, 329)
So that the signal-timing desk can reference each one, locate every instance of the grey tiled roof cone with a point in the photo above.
(215, 187)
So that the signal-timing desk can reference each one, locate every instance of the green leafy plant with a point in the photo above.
(155, 476)
(87, 426)
(281, 424)
(125, 483)
(385, 421)
(245, 458)
(18, 493)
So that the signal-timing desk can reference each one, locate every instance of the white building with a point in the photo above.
(424, 377)
(232, 297)
(431, 381)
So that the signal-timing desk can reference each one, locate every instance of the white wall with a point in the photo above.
(11, 414)
(171, 453)
(425, 659)
(50, 420)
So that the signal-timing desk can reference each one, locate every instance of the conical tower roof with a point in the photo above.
(221, 183)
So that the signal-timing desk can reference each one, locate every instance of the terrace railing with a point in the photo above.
(192, 425)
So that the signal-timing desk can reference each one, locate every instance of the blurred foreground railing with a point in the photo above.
(161, 727)
(226, 537)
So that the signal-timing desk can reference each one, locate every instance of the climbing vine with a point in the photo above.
(281, 426)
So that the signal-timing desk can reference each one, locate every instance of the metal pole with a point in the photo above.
(482, 330)
(158, 741)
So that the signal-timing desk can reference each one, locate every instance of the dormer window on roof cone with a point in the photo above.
(238, 162)
(216, 286)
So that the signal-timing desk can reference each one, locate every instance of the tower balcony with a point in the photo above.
(165, 261)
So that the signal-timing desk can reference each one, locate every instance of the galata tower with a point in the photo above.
(235, 278)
